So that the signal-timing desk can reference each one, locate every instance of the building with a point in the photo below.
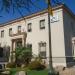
(33, 31)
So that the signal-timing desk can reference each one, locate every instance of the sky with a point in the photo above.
(38, 6)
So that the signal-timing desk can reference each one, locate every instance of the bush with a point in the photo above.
(11, 65)
(36, 65)
(23, 55)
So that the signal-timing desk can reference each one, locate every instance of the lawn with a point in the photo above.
(31, 72)
(34, 72)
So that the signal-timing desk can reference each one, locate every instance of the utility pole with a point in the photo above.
(50, 12)
(49, 33)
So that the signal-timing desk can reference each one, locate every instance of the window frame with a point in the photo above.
(73, 48)
(2, 33)
(19, 29)
(42, 27)
(29, 45)
(42, 44)
(10, 31)
(29, 27)
(1, 52)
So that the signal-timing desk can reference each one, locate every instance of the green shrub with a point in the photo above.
(11, 65)
(23, 55)
(36, 65)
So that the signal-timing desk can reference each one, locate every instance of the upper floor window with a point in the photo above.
(2, 33)
(42, 49)
(42, 24)
(10, 31)
(19, 28)
(29, 27)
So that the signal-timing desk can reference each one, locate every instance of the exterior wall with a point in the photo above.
(37, 35)
(6, 40)
(57, 37)
(60, 36)
(69, 32)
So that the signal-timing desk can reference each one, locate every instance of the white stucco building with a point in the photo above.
(34, 32)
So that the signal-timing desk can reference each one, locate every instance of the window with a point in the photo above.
(29, 27)
(73, 48)
(29, 46)
(1, 52)
(42, 49)
(2, 33)
(42, 24)
(10, 31)
(19, 28)
(30, 49)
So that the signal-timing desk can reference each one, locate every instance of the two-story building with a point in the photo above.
(33, 31)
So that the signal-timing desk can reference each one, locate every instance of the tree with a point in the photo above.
(23, 55)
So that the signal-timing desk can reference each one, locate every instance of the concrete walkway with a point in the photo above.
(21, 73)
(65, 71)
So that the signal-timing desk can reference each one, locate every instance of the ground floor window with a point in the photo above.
(42, 49)
(1, 52)
(73, 48)
(29, 46)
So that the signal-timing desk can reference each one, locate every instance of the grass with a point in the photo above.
(29, 72)
(34, 72)
(13, 71)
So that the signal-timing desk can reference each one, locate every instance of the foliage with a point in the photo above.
(23, 55)
(13, 71)
(36, 65)
(11, 65)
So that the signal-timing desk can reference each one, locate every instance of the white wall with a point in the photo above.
(58, 37)
(6, 40)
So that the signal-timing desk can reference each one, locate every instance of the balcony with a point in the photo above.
(18, 33)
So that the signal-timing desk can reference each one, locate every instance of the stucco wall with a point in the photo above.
(60, 36)
(57, 33)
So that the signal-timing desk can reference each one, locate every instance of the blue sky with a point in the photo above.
(5, 16)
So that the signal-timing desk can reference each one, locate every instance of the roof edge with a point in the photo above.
(63, 6)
